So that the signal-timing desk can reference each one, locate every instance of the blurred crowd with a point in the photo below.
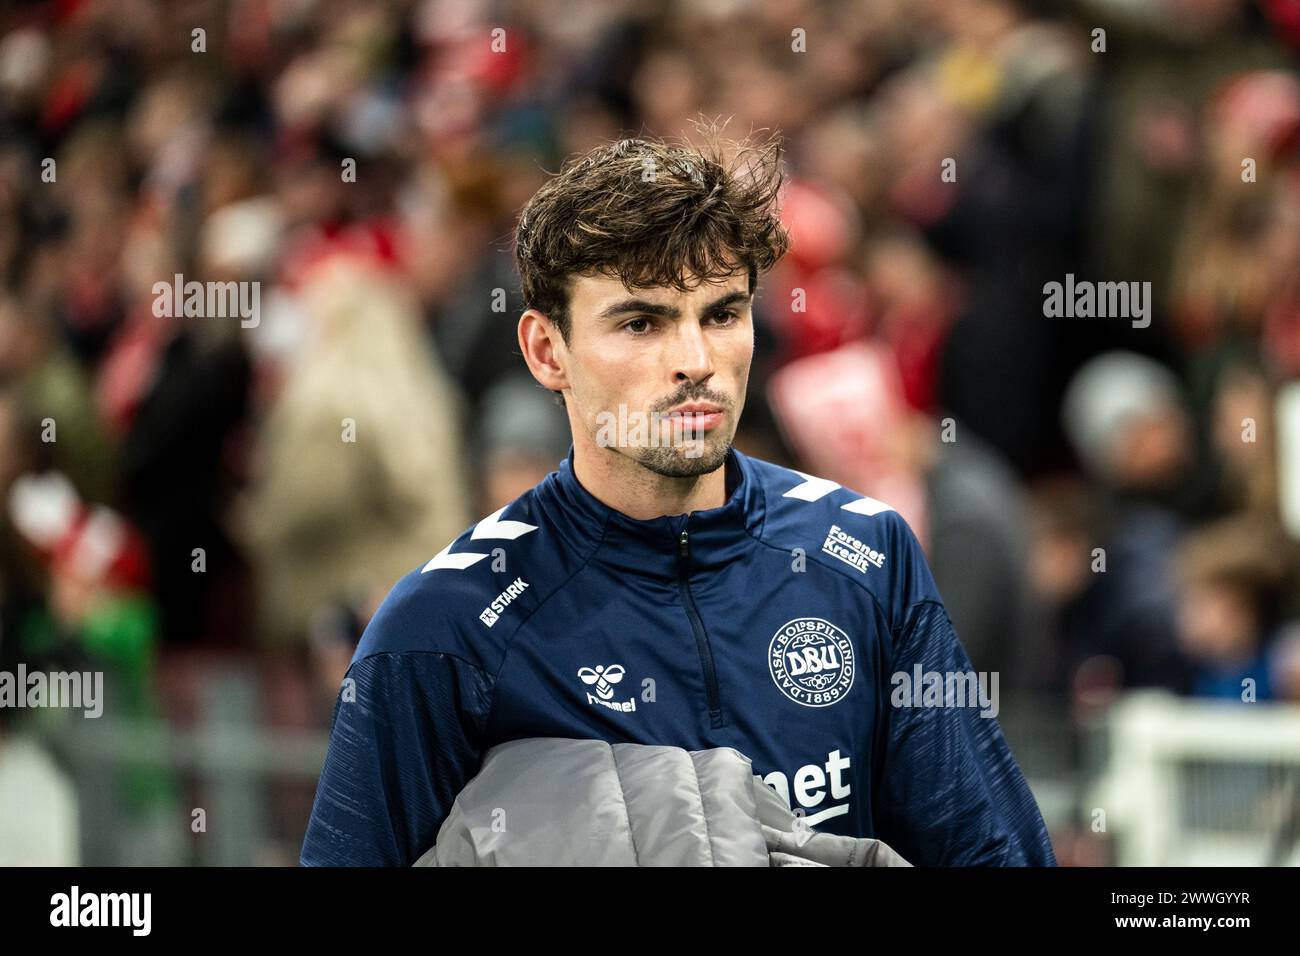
(1102, 503)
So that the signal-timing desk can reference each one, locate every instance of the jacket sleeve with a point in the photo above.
(406, 738)
(951, 793)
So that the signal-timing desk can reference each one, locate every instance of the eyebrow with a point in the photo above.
(667, 311)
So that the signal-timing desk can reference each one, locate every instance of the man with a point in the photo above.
(662, 587)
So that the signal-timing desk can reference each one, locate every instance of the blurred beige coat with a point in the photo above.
(330, 518)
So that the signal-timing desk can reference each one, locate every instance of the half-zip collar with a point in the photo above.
(718, 536)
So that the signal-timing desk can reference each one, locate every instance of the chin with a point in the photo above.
(694, 459)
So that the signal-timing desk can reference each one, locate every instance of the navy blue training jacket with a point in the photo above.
(775, 624)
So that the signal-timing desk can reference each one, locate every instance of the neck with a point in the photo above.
(622, 483)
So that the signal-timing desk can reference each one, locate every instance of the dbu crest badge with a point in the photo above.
(811, 661)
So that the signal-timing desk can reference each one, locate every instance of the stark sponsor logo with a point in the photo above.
(492, 612)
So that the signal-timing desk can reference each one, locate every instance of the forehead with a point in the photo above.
(592, 293)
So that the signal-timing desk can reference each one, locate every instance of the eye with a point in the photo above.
(725, 316)
(642, 325)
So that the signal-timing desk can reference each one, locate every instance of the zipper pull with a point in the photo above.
(681, 543)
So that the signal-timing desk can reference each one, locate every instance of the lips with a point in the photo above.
(703, 408)
(696, 416)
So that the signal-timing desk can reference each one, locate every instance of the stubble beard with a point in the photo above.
(693, 457)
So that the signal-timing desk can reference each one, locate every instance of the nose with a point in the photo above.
(692, 359)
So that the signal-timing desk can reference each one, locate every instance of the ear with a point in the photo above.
(544, 350)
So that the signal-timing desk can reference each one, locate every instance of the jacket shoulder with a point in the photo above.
(850, 533)
(469, 598)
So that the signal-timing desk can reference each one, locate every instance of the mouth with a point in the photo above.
(696, 416)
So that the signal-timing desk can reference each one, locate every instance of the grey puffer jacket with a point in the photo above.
(555, 802)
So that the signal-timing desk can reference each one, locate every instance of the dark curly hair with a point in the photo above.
(649, 212)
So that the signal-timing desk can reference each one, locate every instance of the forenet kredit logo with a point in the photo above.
(811, 661)
(604, 678)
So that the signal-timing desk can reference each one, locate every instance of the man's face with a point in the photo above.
(659, 375)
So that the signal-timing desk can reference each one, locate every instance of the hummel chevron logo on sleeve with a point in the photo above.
(867, 506)
(813, 489)
(490, 527)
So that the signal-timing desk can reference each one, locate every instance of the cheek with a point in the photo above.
(745, 363)
(625, 374)
(741, 345)
(602, 382)
(742, 359)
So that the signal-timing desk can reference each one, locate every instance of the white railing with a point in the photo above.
(1200, 783)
